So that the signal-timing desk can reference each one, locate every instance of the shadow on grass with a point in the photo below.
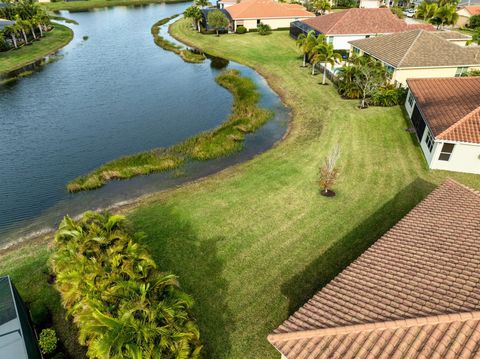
(302, 286)
(174, 245)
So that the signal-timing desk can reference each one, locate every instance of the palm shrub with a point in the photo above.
(264, 29)
(388, 95)
(48, 341)
(122, 304)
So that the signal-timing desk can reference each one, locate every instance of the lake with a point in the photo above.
(114, 94)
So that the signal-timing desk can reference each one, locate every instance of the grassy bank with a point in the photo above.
(92, 4)
(254, 242)
(186, 54)
(52, 41)
(246, 117)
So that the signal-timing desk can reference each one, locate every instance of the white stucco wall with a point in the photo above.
(369, 4)
(465, 157)
(409, 107)
(277, 23)
(340, 42)
(401, 75)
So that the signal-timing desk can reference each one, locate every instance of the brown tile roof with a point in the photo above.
(450, 106)
(361, 21)
(473, 9)
(418, 48)
(452, 35)
(265, 9)
(414, 294)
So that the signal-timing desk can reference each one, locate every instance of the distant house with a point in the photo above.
(415, 293)
(466, 12)
(353, 24)
(222, 4)
(369, 4)
(446, 115)
(17, 338)
(250, 13)
(419, 54)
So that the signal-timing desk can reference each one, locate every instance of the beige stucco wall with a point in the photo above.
(402, 75)
(464, 158)
(274, 23)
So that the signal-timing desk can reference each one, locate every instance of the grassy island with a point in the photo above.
(246, 117)
(93, 4)
(254, 242)
(52, 41)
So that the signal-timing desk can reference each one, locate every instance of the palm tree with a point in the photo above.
(201, 3)
(22, 25)
(445, 15)
(426, 10)
(327, 55)
(37, 21)
(307, 43)
(12, 30)
(194, 13)
(321, 6)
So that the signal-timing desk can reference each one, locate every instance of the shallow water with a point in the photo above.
(114, 94)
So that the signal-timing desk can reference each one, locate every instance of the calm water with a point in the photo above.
(114, 94)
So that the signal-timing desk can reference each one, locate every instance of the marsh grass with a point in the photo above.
(228, 138)
(186, 54)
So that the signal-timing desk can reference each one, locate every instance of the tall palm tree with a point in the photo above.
(326, 54)
(321, 6)
(201, 3)
(12, 31)
(426, 10)
(37, 21)
(307, 43)
(22, 25)
(194, 13)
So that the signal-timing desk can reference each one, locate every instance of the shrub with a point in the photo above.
(39, 313)
(264, 29)
(48, 341)
(241, 29)
(398, 11)
(388, 95)
(474, 22)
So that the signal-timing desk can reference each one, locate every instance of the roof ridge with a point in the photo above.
(395, 324)
(458, 123)
(342, 13)
(420, 31)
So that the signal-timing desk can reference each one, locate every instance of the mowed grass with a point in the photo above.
(254, 242)
(52, 41)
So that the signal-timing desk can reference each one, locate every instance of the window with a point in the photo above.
(356, 50)
(429, 140)
(390, 69)
(330, 39)
(461, 71)
(410, 99)
(446, 152)
(258, 22)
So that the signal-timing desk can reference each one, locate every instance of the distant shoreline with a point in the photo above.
(93, 4)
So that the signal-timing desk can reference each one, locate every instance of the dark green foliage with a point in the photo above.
(48, 341)
(346, 3)
(246, 117)
(398, 11)
(122, 304)
(39, 313)
(264, 29)
(217, 20)
(241, 29)
(474, 22)
(388, 95)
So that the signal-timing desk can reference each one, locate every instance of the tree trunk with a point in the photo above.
(313, 69)
(304, 60)
(14, 39)
(33, 32)
(324, 73)
(40, 29)
(217, 33)
(198, 26)
(24, 36)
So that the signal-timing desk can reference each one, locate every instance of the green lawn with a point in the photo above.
(254, 242)
(92, 4)
(53, 40)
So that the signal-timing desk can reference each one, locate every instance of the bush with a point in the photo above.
(388, 95)
(241, 29)
(398, 11)
(39, 313)
(48, 341)
(264, 29)
(474, 22)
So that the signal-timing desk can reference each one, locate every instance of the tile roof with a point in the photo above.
(264, 9)
(361, 21)
(450, 106)
(418, 48)
(452, 35)
(473, 9)
(414, 294)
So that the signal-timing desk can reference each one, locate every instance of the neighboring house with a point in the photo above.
(17, 338)
(415, 293)
(419, 54)
(465, 13)
(5, 23)
(369, 4)
(446, 115)
(353, 24)
(250, 13)
(226, 3)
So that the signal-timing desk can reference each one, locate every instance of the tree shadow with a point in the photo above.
(176, 248)
(302, 286)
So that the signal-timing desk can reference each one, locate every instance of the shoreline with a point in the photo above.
(96, 4)
(7, 75)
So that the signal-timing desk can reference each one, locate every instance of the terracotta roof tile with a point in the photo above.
(450, 106)
(473, 9)
(264, 9)
(361, 21)
(414, 294)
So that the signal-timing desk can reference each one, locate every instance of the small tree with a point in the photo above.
(264, 29)
(321, 6)
(370, 76)
(48, 341)
(329, 172)
(474, 22)
(426, 10)
(217, 20)
(475, 37)
(194, 13)
(201, 3)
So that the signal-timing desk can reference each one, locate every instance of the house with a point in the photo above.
(419, 54)
(415, 293)
(222, 4)
(250, 13)
(5, 23)
(17, 338)
(466, 12)
(369, 4)
(445, 113)
(353, 24)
